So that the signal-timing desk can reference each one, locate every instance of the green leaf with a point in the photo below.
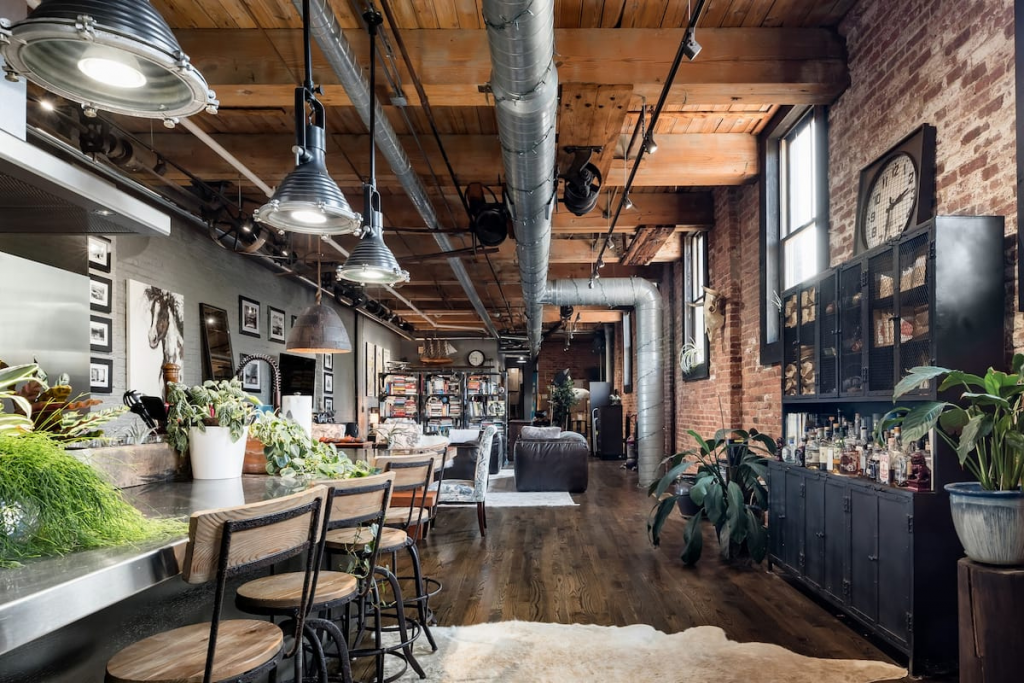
(996, 380)
(954, 420)
(956, 377)
(700, 490)
(970, 435)
(757, 537)
(1018, 363)
(734, 512)
(767, 441)
(699, 439)
(987, 400)
(714, 504)
(920, 420)
(693, 539)
(670, 478)
(661, 513)
(916, 378)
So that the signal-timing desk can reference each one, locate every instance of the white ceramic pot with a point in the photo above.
(214, 454)
(990, 524)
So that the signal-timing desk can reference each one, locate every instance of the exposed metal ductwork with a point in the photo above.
(521, 35)
(645, 298)
(324, 27)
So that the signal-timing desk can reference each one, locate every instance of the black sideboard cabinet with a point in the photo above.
(886, 556)
(608, 439)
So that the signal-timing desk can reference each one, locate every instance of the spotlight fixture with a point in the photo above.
(489, 221)
(318, 328)
(691, 48)
(652, 145)
(627, 203)
(308, 200)
(115, 55)
(371, 262)
(582, 181)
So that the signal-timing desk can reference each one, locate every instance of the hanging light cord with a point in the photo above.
(371, 197)
(680, 53)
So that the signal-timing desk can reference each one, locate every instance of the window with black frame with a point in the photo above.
(794, 211)
(693, 355)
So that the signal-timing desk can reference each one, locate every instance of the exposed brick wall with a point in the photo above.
(580, 359)
(941, 62)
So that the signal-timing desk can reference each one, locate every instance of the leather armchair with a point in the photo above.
(559, 464)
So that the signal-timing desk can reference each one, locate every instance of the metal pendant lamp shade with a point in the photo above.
(318, 329)
(308, 200)
(371, 262)
(115, 55)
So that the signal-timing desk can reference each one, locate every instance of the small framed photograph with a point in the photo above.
(99, 334)
(328, 361)
(328, 383)
(329, 404)
(101, 376)
(252, 379)
(248, 317)
(99, 253)
(100, 293)
(275, 324)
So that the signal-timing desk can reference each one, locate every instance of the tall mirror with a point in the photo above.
(218, 361)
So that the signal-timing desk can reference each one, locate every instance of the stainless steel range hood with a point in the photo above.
(41, 193)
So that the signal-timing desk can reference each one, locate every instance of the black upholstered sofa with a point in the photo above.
(551, 463)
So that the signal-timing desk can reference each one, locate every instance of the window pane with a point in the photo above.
(800, 256)
(800, 178)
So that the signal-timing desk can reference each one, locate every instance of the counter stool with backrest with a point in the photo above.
(413, 476)
(350, 504)
(223, 544)
(439, 452)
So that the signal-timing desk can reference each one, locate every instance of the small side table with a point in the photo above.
(991, 608)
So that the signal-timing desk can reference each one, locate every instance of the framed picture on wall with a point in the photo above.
(99, 253)
(275, 324)
(101, 376)
(379, 366)
(100, 334)
(248, 317)
(294, 318)
(252, 379)
(328, 361)
(328, 383)
(370, 379)
(328, 404)
(100, 293)
(387, 360)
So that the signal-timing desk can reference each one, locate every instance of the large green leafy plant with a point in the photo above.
(222, 404)
(985, 427)
(727, 491)
(563, 398)
(293, 453)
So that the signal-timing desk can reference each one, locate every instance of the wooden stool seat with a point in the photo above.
(284, 591)
(356, 539)
(179, 656)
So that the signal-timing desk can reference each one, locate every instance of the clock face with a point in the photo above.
(476, 358)
(891, 200)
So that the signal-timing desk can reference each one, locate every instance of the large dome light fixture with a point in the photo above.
(371, 262)
(308, 200)
(113, 55)
(318, 329)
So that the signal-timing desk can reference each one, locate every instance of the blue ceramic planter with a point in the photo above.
(990, 524)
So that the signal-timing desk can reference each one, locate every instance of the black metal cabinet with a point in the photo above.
(837, 540)
(864, 553)
(894, 546)
(814, 530)
(793, 523)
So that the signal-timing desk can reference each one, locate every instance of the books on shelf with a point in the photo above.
(401, 385)
(400, 406)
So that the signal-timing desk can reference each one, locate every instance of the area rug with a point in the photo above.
(528, 499)
(518, 651)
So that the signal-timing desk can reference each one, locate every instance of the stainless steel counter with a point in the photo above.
(49, 593)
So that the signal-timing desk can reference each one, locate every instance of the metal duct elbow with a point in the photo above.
(646, 300)
(521, 37)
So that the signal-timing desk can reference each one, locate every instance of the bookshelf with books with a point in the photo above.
(401, 395)
(486, 402)
(442, 401)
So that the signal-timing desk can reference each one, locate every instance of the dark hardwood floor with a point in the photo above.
(594, 564)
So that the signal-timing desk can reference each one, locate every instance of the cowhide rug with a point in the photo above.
(527, 652)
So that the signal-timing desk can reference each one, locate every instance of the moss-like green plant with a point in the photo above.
(52, 504)
(213, 403)
(293, 453)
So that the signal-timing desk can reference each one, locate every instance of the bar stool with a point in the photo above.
(413, 474)
(350, 503)
(439, 452)
(223, 544)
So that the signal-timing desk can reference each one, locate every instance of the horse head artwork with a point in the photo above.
(166, 325)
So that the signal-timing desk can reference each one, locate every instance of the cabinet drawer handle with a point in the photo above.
(873, 558)
(820, 534)
(782, 516)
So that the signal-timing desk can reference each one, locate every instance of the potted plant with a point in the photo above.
(209, 422)
(291, 453)
(726, 490)
(986, 429)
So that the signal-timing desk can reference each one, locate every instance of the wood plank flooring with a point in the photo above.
(594, 564)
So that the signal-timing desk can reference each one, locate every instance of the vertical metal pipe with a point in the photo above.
(645, 298)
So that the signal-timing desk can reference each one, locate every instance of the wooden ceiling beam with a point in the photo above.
(647, 244)
(778, 65)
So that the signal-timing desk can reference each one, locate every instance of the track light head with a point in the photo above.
(691, 48)
(652, 145)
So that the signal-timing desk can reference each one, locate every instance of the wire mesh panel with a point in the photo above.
(828, 315)
(790, 344)
(851, 341)
(881, 311)
(915, 313)
(807, 369)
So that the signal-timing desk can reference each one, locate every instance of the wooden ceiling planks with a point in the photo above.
(646, 244)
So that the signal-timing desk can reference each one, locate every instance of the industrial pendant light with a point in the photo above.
(318, 329)
(371, 262)
(308, 200)
(114, 55)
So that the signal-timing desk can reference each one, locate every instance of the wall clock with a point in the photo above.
(897, 191)
(476, 358)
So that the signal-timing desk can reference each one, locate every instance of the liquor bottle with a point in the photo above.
(900, 461)
(812, 451)
(799, 453)
(871, 470)
(832, 453)
(885, 461)
(780, 450)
